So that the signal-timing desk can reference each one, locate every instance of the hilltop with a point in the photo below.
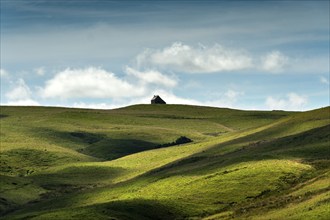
(63, 163)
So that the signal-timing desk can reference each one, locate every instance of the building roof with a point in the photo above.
(157, 100)
(155, 97)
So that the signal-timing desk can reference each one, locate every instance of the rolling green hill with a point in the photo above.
(61, 163)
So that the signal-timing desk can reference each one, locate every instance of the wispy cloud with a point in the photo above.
(20, 94)
(20, 91)
(3, 73)
(228, 99)
(40, 71)
(291, 101)
(151, 77)
(274, 61)
(324, 80)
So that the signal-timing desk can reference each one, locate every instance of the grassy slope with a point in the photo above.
(242, 164)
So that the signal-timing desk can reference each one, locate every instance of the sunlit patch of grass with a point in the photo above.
(211, 192)
(315, 207)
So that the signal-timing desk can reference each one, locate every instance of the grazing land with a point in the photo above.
(61, 163)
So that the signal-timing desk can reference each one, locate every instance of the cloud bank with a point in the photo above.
(91, 82)
(184, 58)
(180, 57)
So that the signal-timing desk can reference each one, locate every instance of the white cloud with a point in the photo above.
(226, 99)
(184, 58)
(274, 61)
(171, 98)
(20, 95)
(168, 96)
(273, 103)
(40, 71)
(151, 77)
(20, 92)
(297, 101)
(96, 105)
(3, 73)
(25, 102)
(90, 82)
(324, 80)
(232, 94)
(180, 57)
(292, 101)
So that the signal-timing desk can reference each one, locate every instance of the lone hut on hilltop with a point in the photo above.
(157, 100)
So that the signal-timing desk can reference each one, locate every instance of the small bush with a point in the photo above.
(180, 140)
(183, 140)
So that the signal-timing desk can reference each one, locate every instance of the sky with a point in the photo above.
(260, 55)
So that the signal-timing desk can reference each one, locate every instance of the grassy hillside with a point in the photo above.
(59, 163)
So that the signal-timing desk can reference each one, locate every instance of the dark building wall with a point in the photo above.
(157, 100)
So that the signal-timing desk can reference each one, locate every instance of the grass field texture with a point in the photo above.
(61, 163)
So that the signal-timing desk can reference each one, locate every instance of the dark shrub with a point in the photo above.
(183, 140)
(180, 140)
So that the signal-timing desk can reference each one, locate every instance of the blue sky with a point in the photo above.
(261, 55)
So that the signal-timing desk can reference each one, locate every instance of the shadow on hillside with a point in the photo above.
(75, 178)
(60, 186)
(110, 149)
(95, 144)
(3, 116)
(125, 209)
(137, 209)
(310, 146)
(31, 164)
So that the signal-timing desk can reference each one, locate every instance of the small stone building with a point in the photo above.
(157, 100)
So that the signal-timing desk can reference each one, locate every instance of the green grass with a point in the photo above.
(59, 163)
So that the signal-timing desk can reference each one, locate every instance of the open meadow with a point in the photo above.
(65, 163)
